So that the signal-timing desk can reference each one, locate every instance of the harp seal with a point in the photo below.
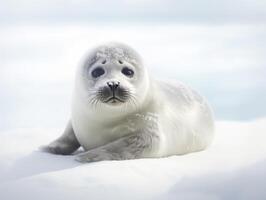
(120, 112)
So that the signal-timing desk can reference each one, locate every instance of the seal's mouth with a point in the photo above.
(114, 99)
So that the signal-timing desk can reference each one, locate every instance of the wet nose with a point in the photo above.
(113, 85)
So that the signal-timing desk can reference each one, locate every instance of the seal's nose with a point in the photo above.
(113, 85)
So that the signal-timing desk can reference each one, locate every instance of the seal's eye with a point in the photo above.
(128, 72)
(97, 72)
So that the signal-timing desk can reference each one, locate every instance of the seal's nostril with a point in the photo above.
(116, 84)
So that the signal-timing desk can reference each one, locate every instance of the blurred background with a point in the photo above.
(217, 47)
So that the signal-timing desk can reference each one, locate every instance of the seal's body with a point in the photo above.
(120, 112)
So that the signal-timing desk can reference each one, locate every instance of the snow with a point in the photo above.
(232, 168)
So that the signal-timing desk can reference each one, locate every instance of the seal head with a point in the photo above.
(113, 77)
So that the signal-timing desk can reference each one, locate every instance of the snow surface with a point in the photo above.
(234, 167)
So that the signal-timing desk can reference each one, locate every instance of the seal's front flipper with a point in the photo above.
(65, 144)
(139, 145)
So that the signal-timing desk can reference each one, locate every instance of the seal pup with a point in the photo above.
(120, 112)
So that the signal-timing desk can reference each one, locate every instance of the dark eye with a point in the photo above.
(128, 72)
(97, 72)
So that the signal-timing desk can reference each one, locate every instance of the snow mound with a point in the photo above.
(232, 168)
